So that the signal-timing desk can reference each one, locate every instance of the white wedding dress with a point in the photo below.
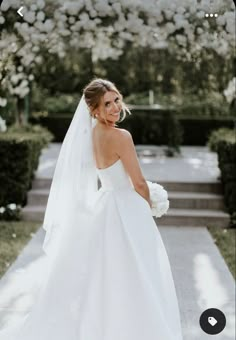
(111, 279)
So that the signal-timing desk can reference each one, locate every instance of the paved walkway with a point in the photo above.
(194, 164)
(201, 276)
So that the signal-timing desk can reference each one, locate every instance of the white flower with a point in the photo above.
(159, 199)
(2, 20)
(230, 91)
(14, 235)
(40, 4)
(40, 16)
(2, 210)
(30, 17)
(3, 126)
(12, 206)
(5, 6)
(3, 102)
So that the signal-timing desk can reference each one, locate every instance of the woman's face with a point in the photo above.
(110, 107)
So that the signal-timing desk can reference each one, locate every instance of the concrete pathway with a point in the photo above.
(194, 164)
(201, 276)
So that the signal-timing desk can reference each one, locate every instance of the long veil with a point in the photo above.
(75, 180)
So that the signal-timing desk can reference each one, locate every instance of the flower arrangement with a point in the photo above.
(159, 199)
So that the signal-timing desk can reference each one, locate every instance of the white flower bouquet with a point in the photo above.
(159, 199)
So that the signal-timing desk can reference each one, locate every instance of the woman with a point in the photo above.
(109, 276)
(109, 142)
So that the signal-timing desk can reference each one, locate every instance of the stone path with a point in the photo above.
(201, 276)
(195, 164)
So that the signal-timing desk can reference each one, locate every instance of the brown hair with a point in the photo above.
(94, 91)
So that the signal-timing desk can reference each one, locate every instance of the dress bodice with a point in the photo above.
(114, 177)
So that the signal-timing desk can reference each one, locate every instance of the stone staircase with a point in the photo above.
(195, 204)
(191, 203)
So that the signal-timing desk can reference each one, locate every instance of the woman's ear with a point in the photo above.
(96, 112)
(93, 112)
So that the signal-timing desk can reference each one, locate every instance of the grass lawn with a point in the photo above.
(13, 237)
(225, 239)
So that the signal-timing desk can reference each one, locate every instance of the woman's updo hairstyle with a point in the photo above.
(96, 89)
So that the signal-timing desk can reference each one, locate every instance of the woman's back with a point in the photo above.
(104, 146)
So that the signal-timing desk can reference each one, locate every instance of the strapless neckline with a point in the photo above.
(110, 166)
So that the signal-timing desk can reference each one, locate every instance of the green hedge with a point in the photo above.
(19, 154)
(147, 126)
(162, 128)
(196, 130)
(214, 105)
(222, 134)
(225, 146)
(188, 105)
(227, 164)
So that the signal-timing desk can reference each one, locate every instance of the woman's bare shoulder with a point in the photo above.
(115, 135)
(122, 134)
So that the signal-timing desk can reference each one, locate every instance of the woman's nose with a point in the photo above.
(116, 107)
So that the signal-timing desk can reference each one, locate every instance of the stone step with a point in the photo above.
(193, 217)
(33, 213)
(178, 217)
(195, 200)
(181, 200)
(207, 187)
(38, 197)
(203, 187)
(42, 183)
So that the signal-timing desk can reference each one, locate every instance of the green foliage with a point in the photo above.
(222, 134)
(214, 105)
(45, 136)
(56, 124)
(13, 238)
(10, 213)
(173, 132)
(8, 113)
(191, 90)
(137, 98)
(150, 126)
(211, 106)
(59, 103)
(226, 150)
(225, 239)
(223, 141)
(19, 154)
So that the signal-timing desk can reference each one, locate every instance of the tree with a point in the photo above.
(104, 28)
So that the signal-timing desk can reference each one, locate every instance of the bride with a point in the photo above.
(108, 275)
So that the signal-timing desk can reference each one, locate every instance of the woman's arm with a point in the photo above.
(125, 149)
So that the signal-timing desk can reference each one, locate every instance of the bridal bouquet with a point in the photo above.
(159, 199)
